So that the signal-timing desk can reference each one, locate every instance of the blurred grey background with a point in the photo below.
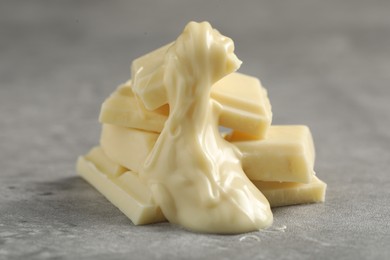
(325, 64)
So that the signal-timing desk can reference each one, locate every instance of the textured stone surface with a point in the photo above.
(325, 64)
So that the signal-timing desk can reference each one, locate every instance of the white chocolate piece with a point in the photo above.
(277, 193)
(147, 75)
(134, 198)
(103, 164)
(245, 107)
(123, 108)
(286, 154)
(139, 211)
(245, 104)
(291, 193)
(127, 146)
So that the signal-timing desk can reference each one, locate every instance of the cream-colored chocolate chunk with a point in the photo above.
(128, 147)
(147, 75)
(104, 164)
(245, 107)
(285, 155)
(291, 193)
(123, 108)
(135, 208)
(245, 104)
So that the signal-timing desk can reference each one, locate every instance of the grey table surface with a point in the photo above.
(325, 64)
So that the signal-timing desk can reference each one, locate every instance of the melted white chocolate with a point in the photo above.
(195, 175)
